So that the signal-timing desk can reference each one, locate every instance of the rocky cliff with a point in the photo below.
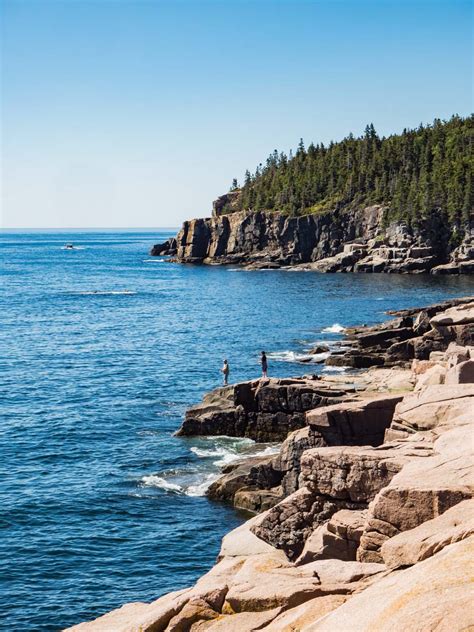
(366, 516)
(340, 241)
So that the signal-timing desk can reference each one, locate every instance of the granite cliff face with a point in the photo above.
(340, 241)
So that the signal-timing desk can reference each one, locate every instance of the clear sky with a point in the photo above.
(138, 113)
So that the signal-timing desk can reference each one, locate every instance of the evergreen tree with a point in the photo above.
(413, 174)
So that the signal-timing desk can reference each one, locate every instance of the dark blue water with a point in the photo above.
(102, 349)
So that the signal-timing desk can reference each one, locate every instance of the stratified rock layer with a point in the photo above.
(344, 240)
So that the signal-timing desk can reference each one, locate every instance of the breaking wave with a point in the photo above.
(335, 369)
(212, 454)
(292, 356)
(158, 481)
(333, 329)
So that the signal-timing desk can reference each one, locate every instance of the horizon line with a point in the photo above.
(90, 228)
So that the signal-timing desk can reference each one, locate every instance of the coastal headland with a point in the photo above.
(364, 520)
(398, 204)
(346, 240)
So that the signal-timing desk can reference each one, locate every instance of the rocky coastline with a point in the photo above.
(344, 240)
(364, 520)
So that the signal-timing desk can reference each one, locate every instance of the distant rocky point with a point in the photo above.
(338, 241)
(402, 203)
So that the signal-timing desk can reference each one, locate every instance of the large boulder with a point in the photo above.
(422, 490)
(288, 524)
(361, 422)
(338, 539)
(331, 479)
(433, 406)
(436, 594)
(459, 315)
(411, 547)
(254, 473)
(267, 581)
(138, 617)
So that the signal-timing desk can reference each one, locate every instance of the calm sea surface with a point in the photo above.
(101, 350)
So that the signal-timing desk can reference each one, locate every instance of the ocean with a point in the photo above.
(102, 348)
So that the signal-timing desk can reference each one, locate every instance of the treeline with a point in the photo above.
(414, 173)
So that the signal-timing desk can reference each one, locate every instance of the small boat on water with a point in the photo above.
(69, 247)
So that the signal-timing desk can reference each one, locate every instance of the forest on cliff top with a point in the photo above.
(415, 173)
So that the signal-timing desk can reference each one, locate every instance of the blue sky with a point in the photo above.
(139, 113)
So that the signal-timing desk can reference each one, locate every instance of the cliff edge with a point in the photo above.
(340, 241)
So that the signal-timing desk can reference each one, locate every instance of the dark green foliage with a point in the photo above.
(415, 173)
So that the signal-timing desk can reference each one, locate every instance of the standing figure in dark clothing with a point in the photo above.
(264, 362)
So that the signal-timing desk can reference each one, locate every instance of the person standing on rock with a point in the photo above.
(263, 360)
(225, 372)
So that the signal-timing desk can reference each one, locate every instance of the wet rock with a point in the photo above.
(251, 473)
(167, 248)
(318, 349)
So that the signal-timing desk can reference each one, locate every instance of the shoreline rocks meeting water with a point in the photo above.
(343, 240)
(364, 519)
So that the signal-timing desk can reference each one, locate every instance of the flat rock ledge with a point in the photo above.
(364, 521)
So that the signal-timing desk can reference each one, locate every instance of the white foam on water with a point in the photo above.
(271, 449)
(224, 455)
(333, 329)
(335, 369)
(200, 489)
(157, 481)
(293, 269)
(215, 453)
(154, 260)
(292, 356)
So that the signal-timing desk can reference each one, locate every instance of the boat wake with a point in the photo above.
(106, 292)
